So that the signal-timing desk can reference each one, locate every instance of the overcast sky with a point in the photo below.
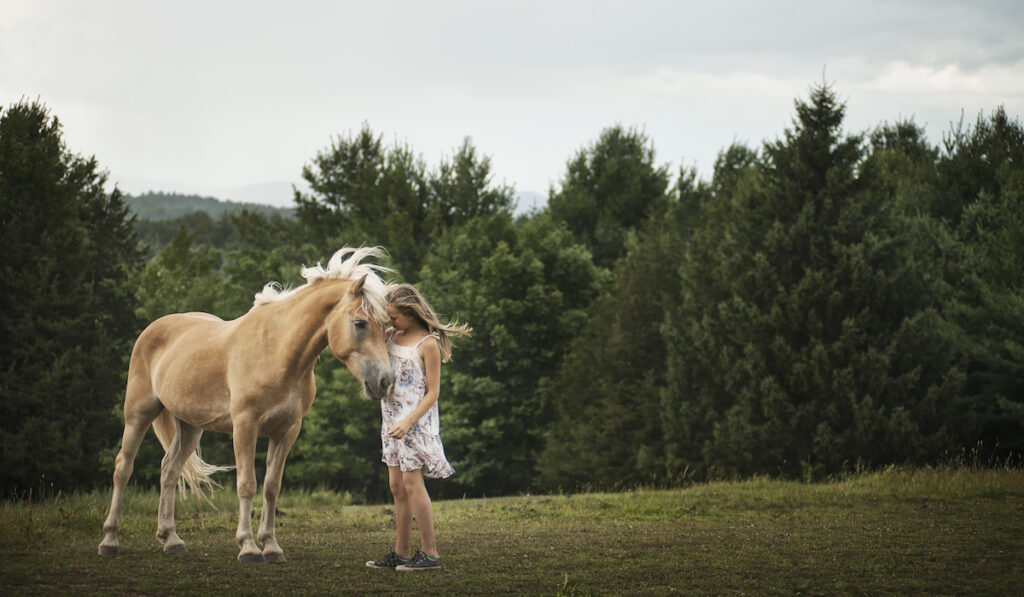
(233, 98)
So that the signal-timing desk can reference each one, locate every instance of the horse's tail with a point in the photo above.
(196, 473)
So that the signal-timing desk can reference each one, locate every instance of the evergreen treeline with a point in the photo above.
(829, 301)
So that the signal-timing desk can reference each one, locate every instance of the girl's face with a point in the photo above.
(400, 321)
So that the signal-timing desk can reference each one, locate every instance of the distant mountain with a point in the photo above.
(278, 193)
(528, 201)
(158, 206)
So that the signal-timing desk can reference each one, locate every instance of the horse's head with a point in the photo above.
(355, 333)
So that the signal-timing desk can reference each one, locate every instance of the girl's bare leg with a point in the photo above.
(403, 514)
(419, 504)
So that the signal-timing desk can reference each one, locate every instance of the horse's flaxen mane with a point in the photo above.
(343, 265)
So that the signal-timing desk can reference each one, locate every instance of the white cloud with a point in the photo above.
(228, 94)
(995, 80)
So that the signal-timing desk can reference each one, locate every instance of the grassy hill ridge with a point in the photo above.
(159, 206)
(924, 531)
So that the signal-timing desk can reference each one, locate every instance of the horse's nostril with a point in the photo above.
(376, 389)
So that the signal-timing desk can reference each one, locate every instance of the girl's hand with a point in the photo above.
(399, 429)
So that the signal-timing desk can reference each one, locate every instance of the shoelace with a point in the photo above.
(392, 560)
(420, 557)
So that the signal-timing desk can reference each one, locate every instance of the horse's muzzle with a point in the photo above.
(376, 383)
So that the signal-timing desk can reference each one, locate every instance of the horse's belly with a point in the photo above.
(193, 387)
(220, 424)
(203, 406)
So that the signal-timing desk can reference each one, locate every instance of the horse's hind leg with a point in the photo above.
(140, 408)
(277, 452)
(185, 441)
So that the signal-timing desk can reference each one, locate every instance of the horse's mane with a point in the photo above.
(343, 265)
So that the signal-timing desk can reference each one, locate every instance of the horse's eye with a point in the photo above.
(360, 324)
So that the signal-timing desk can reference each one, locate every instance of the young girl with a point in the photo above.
(417, 344)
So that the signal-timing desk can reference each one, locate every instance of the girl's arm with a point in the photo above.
(432, 364)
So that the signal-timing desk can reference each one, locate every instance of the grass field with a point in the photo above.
(925, 531)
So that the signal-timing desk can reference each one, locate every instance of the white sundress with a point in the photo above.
(421, 447)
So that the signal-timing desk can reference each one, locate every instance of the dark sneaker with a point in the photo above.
(420, 561)
(392, 560)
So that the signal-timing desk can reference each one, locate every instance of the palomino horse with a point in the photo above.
(193, 372)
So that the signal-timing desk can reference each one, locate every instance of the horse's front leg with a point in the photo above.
(182, 447)
(245, 432)
(277, 452)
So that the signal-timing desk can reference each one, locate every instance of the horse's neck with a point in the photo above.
(296, 325)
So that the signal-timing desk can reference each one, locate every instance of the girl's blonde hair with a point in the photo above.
(409, 302)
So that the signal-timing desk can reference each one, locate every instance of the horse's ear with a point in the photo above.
(357, 288)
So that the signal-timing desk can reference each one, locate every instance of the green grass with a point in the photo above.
(924, 531)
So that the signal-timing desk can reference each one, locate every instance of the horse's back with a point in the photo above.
(171, 329)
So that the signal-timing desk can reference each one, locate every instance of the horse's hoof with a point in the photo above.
(176, 548)
(108, 550)
(274, 557)
(251, 558)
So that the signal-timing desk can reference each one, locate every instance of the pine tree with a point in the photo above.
(609, 190)
(462, 188)
(522, 289)
(364, 193)
(179, 279)
(809, 336)
(607, 392)
(982, 182)
(67, 317)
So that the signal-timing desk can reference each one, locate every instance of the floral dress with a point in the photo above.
(421, 447)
